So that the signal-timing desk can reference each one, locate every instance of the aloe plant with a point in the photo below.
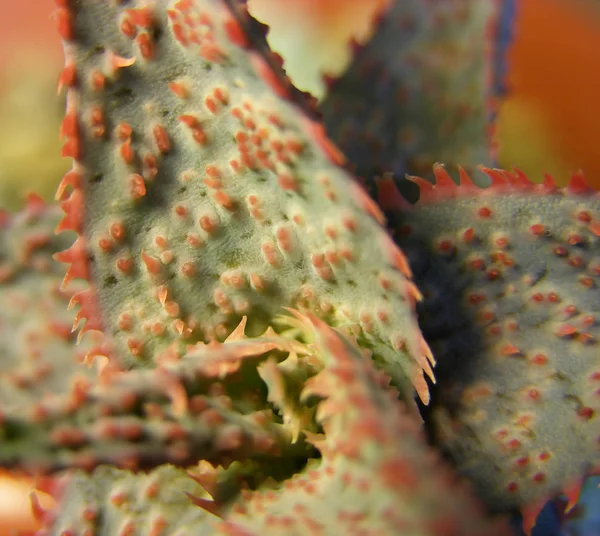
(253, 329)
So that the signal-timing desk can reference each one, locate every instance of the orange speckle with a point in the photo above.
(469, 235)
(512, 487)
(150, 166)
(194, 240)
(224, 200)
(137, 186)
(270, 254)
(142, 17)
(538, 478)
(207, 224)
(566, 330)
(179, 34)
(287, 182)
(221, 95)
(484, 212)
(153, 265)
(188, 269)
(585, 413)
(163, 143)
(539, 359)
(128, 28)
(97, 122)
(210, 51)
(257, 282)
(595, 227)
(513, 444)
(510, 350)
(210, 104)
(126, 152)
(123, 131)
(537, 229)
(105, 244)
(180, 89)
(97, 81)
(146, 46)
(172, 309)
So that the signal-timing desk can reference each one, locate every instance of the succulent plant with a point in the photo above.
(254, 328)
(418, 92)
(510, 309)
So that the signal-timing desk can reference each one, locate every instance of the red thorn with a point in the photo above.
(71, 178)
(388, 196)
(395, 256)
(51, 485)
(73, 208)
(317, 133)
(549, 184)
(205, 504)
(530, 513)
(69, 126)
(119, 62)
(34, 204)
(39, 513)
(67, 78)
(64, 23)
(264, 71)
(71, 149)
(76, 256)
(442, 179)
(498, 180)
(421, 183)
(518, 178)
(572, 493)
(465, 179)
(208, 481)
(104, 349)
(367, 204)
(87, 310)
(428, 193)
(578, 185)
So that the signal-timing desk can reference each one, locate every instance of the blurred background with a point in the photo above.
(550, 122)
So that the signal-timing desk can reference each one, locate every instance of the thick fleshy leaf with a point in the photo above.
(376, 474)
(510, 276)
(203, 192)
(422, 90)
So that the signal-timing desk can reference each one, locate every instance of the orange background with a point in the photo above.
(555, 74)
